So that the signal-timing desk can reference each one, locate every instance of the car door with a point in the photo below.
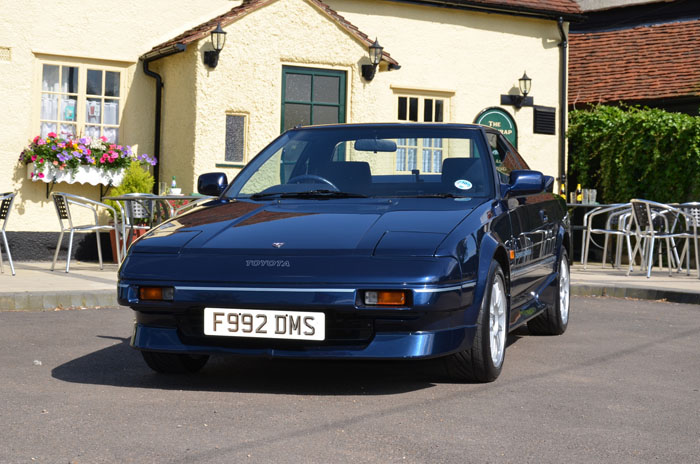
(532, 223)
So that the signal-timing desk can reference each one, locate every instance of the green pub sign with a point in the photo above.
(500, 120)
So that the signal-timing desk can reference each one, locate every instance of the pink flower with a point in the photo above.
(55, 163)
(40, 142)
(52, 135)
(41, 160)
(103, 138)
(41, 175)
(36, 139)
(33, 157)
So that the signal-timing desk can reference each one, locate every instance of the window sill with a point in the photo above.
(230, 165)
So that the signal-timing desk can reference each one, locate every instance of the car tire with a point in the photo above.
(555, 319)
(483, 361)
(174, 363)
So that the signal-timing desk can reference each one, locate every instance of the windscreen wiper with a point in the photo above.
(438, 195)
(322, 193)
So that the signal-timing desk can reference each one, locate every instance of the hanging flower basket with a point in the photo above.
(82, 175)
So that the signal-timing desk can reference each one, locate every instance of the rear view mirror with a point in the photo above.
(212, 183)
(375, 145)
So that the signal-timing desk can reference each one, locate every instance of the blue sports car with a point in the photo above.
(362, 241)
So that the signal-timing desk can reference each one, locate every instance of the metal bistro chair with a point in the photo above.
(692, 224)
(617, 224)
(64, 202)
(6, 200)
(651, 223)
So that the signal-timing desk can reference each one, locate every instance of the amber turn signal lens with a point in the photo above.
(385, 298)
(156, 293)
(512, 254)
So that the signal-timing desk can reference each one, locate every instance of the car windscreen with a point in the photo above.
(356, 161)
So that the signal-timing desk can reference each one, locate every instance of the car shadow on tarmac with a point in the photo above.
(121, 366)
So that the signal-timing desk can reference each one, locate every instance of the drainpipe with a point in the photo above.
(147, 59)
(156, 136)
(563, 104)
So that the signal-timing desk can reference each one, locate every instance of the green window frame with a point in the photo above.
(312, 96)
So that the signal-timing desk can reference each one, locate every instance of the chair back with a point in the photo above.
(62, 211)
(641, 211)
(693, 212)
(6, 200)
(138, 209)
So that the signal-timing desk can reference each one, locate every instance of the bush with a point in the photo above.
(632, 152)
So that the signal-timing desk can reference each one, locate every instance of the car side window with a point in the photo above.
(510, 159)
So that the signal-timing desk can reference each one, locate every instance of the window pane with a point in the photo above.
(235, 138)
(111, 112)
(67, 129)
(428, 110)
(92, 131)
(298, 87)
(47, 127)
(326, 89)
(296, 114)
(426, 159)
(49, 79)
(69, 79)
(413, 110)
(437, 161)
(94, 82)
(112, 134)
(49, 106)
(401, 159)
(68, 106)
(325, 114)
(93, 109)
(111, 84)
(402, 108)
(439, 110)
(412, 161)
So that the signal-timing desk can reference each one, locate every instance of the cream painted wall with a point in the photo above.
(109, 32)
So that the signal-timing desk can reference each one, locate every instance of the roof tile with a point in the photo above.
(643, 63)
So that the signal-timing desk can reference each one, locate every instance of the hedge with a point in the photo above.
(632, 152)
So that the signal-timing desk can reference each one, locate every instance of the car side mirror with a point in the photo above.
(526, 182)
(212, 183)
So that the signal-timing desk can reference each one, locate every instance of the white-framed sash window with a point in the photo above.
(79, 99)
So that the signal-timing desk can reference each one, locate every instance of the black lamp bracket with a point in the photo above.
(368, 71)
(211, 58)
(517, 101)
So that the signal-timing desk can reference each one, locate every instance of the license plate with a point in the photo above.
(263, 323)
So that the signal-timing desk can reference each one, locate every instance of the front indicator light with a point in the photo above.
(385, 298)
(156, 293)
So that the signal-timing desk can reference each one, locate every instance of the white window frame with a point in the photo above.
(420, 149)
(80, 119)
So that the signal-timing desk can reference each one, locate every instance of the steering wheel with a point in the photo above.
(306, 177)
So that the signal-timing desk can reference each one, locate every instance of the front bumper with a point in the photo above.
(440, 320)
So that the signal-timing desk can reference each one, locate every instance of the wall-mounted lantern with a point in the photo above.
(218, 39)
(375, 56)
(524, 84)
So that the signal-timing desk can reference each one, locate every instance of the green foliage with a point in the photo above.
(136, 180)
(631, 152)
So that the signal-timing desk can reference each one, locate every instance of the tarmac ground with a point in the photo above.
(36, 288)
